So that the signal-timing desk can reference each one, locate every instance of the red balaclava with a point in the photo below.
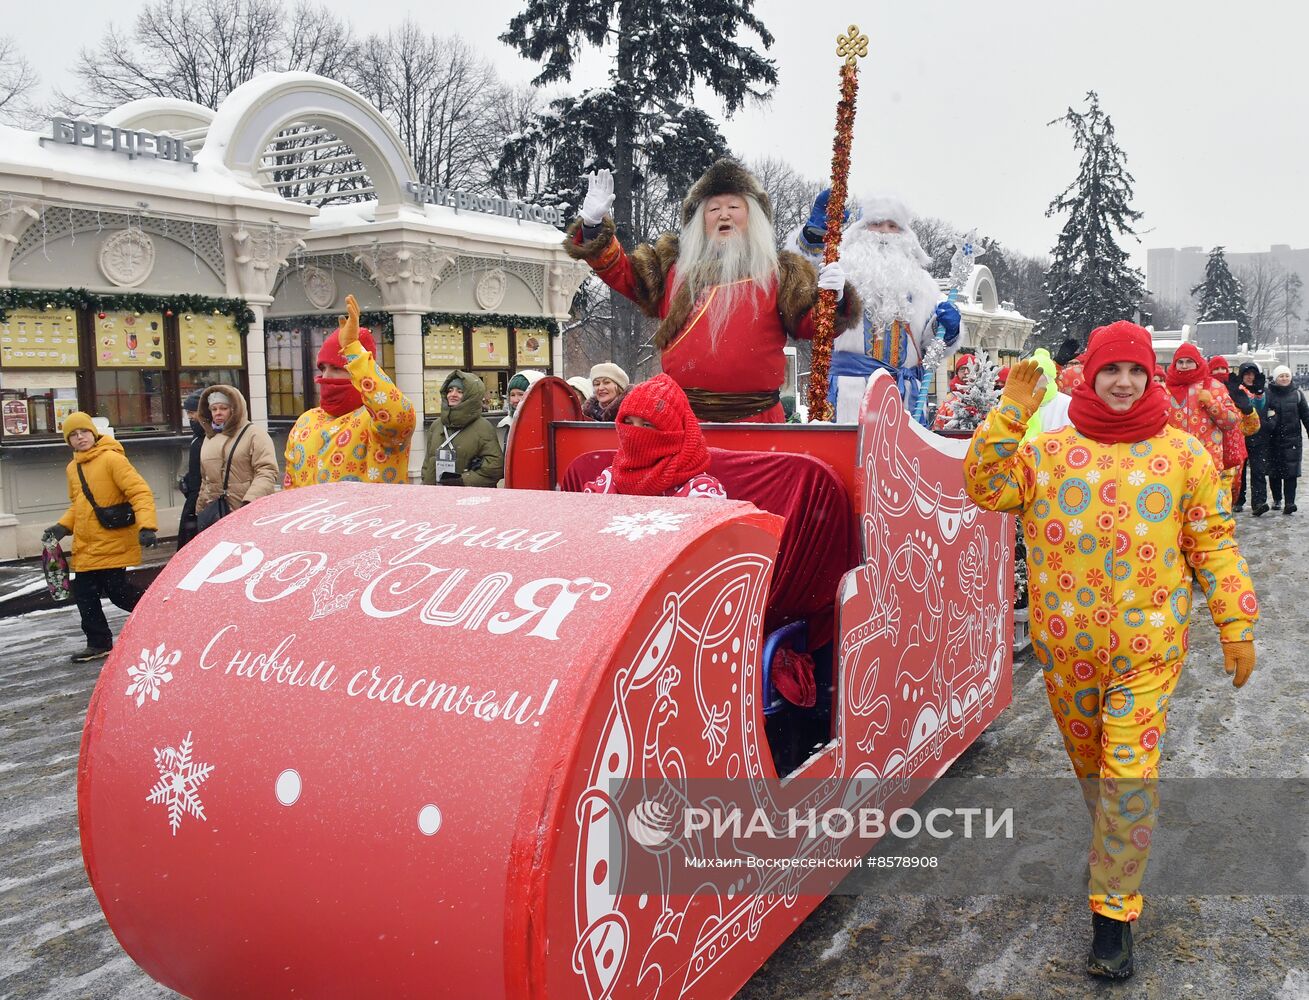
(652, 460)
(1217, 363)
(1179, 381)
(338, 396)
(1121, 341)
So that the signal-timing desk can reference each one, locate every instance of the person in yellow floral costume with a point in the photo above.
(1120, 512)
(361, 429)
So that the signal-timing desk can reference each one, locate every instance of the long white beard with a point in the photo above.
(884, 267)
(735, 266)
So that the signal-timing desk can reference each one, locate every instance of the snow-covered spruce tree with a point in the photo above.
(1090, 282)
(979, 396)
(1221, 296)
(644, 125)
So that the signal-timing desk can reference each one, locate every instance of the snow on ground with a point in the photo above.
(55, 943)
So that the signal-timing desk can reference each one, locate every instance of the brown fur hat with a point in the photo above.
(725, 177)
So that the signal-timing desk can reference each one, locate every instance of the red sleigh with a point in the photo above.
(364, 740)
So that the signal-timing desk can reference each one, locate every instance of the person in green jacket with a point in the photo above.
(462, 446)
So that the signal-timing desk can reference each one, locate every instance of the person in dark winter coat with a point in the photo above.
(1254, 474)
(1235, 453)
(462, 446)
(1287, 413)
(189, 484)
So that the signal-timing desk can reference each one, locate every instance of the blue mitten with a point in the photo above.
(947, 316)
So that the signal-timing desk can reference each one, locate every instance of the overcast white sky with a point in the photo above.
(1209, 99)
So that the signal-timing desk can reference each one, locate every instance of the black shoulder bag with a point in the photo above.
(120, 515)
(220, 507)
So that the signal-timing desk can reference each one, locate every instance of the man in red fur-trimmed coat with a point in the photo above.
(726, 297)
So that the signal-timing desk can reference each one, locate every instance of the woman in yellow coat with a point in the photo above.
(1120, 512)
(101, 555)
(361, 429)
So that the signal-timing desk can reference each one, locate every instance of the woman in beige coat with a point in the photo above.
(224, 417)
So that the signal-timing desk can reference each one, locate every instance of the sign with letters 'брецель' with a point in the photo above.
(129, 141)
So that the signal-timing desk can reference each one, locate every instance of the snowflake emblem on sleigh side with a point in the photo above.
(151, 673)
(634, 527)
(179, 781)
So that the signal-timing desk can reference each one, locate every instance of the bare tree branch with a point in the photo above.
(18, 78)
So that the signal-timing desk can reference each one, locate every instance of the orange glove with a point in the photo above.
(1021, 388)
(1205, 397)
(1238, 660)
(349, 324)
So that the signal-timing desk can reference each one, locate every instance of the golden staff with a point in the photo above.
(851, 46)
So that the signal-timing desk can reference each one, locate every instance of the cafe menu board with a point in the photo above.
(491, 347)
(443, 346)
(208, 341)
(38, 338)
(129, 340)
(533, 349)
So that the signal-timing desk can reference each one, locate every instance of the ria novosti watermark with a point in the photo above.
(1019, 837)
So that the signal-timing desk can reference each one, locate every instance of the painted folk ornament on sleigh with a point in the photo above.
(362, 740)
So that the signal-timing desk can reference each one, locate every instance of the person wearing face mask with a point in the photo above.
(1254, 473)
(1287, 413)
(726, 298)
(361, 429)
(1121, 514)
(1201, 405)
(661, 451)
(1235, 453)
(100, 476)
(608, 385)
(229, 435)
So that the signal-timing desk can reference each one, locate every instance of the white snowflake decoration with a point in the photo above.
(151, 673)
(634, 527)
(179, 780)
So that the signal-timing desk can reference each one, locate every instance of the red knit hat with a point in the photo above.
(654, 459)
(330, 352)
(1121, 341)
(1218, 361)
(1003, 376)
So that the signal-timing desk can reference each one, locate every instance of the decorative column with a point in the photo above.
(407, 274)
(254, 256)
(256, 366)
(409, 378)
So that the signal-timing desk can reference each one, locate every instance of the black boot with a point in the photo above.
(1260, 509)
(1111, 948)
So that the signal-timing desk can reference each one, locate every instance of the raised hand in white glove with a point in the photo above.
(832, 277)
(599, 197)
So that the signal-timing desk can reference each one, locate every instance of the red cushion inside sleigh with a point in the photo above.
(819, 543)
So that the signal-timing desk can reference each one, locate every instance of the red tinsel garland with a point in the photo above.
(821, 359)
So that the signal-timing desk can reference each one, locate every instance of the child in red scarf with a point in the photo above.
(1120, 513)
(1201, 406)
(661, 452)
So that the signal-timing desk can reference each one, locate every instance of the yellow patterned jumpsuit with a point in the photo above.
(369, 444)
(1114, 534)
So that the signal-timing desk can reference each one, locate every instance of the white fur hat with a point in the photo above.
(582, 384)
(1281, 370)
(884, 208)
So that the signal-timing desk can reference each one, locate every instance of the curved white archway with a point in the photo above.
(256, 111)
(160, 114)
(981, 289)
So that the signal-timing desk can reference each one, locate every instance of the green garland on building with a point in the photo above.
(79, 299)
(492, 319)
(384, 322)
